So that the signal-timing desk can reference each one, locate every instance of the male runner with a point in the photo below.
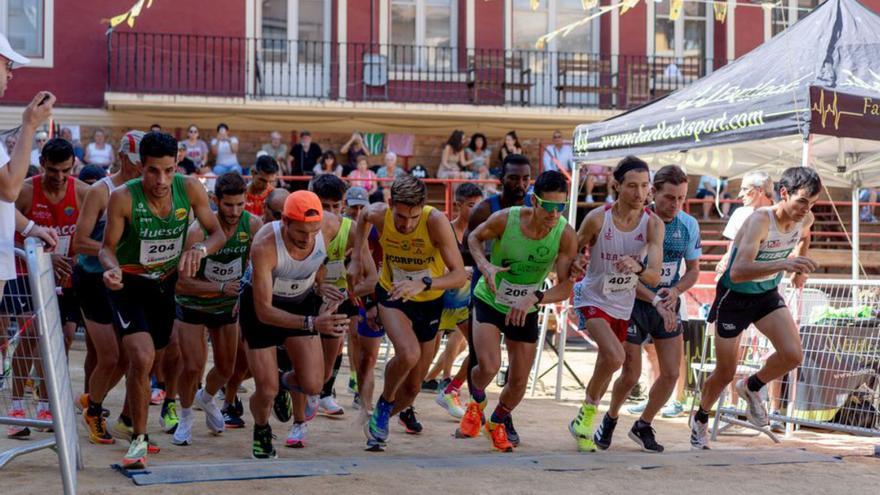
(265, 171)
(747, 294)
(618, 236)
(356, 199)
(527, 243)
(102, 342)
(142, 255)
(283, 303)
(419, 247)
(655, 313)
(210, 300)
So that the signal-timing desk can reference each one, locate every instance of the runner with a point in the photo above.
(655, 313)
(281, 304)
(356, 199)
(527, 243)
(747, 294)
(265, 172)
(142, 254)
(102, 342)
(210, 300)
(419, 245)
(618, 235)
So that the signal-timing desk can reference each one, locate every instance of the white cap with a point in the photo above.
(7, 51)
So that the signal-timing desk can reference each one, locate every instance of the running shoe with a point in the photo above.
(430, 385)
(136, 457)
(376, 429)
(604, 433)
(407, 419)
(45, 415)
(282, 407)
(242, 389)
(352, 385)
(262, 447)
(498, 435)
(213, 415)
(672, 410)
(473, 419)
(296, 439)
(643, 434)
(637, 393)
(83, 403)
(157, 397)
(756, 411)
(638, 408)
(231, 418)
(122, 431)
(183, 432)
(699, 434)
(777, 426)
(312, 402)
(168, 418)
(239, 407)
(17, 432)
(512, 435)
(451, 403)
(327, 405)
(581, 428)
(97, 427)
(356, 402)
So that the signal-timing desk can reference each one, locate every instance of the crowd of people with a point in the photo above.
(280, 279)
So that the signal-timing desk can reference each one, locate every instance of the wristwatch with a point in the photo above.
(201, 247)
(641, 268)
(427, 281)
(539, 295)
(310, 323)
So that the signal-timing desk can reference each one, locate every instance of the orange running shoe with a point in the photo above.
(471, 421)
(83, 403)
(97, 427)
(498, 434)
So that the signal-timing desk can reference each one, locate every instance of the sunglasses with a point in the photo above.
(551, 206)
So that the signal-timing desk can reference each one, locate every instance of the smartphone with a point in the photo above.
(45, 99)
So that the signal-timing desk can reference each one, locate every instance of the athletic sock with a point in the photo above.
(95, 409)
(701, 415)
(126, 420)
(454, 386)
(260, 428)
(499, 414)
(479, 395)
(384, 404)
(327, 391)
(754, 383)
(185, 412)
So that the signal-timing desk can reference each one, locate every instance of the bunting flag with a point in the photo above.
(675, 7)
(129, 16)
(535, 4)
(720, 10)
(626, 5)
(374, 142)
(589, 4)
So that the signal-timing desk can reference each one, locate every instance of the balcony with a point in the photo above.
(257, 68)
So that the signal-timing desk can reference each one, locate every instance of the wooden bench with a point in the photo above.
(497, 74)
(580, 75)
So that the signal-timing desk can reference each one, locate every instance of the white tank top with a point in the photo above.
(604, 287)
(100, 156)
(292, 280)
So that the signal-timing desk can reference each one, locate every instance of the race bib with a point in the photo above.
(63, 246)
(616, 283)
(160, 251)
(668, 272)
(222, 272)
(335, 271)
(510, 294)
(290, 288)
(399, 275)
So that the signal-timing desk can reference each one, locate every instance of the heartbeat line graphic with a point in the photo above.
(824, 110)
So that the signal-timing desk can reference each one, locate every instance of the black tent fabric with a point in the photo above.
(763, 95)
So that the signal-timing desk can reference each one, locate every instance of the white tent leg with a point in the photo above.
(561, 333)
(575, 186)
(855, 231)
(805, 152)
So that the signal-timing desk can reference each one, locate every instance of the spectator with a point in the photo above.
(756, 191)
(558, 156)
(304, 156)
(276, 149)
(353, 148)
(327, 165)
(389, 171)
(452, 159)
(362, 176)
(185, 166)
(478, 156)
(99, 152)
(196, 149)
(39, 141)
(265, 174)
(91, 174)
(707, 192)
(225, 150)
(510, 146)
(10, 141)
(78, 150)
(597, 175)
(155, 128)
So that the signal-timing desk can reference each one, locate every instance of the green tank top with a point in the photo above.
(529, 260)
(151, 246)
(336, 256)
(226, 265)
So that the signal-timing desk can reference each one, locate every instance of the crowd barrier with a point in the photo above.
(33, 359)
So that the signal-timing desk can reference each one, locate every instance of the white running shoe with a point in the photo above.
(327, 405)
(183, 432)
(451, 403)
(296, 439)
(699, 434)
(756, 411)
(312, 402)
(213, 415)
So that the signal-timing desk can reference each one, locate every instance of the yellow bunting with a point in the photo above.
(589, 4)
(564, 30)
(129, 16)
(720, 9)
(535, 4)
(675, 9)
(627, 5)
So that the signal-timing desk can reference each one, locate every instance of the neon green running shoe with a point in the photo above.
(136, 457)
(168, 419)
(581, 428)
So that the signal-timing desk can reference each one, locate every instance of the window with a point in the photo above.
(423, 33)
(28, 26)
(787, 12)
(529, 25)
(689, 36)
(308, 35)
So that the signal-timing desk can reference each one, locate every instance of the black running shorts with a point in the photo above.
(646, 322)
(424, 315)
(93, 300)
(144, 305)
(487, 314)
(193, 316)
(732, 312)
(260, 335)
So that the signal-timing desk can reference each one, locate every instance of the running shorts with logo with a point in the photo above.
(618, 326)
(424, 315)
(364, 330)
(646, 323)
(260, 335)
(144, 305)
(732, 311)
(527, 333)
(455, 308)
(94, 303)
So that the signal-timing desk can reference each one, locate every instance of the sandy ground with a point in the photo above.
(541, 422)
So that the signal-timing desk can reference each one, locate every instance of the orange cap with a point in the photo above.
(303, 206)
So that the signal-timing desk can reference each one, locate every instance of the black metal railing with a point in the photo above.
(262, 67)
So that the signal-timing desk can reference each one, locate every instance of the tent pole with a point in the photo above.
(574, 188)
(856, 242)
(805, 152)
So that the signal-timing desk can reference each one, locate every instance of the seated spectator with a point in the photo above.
(452, 158)
(224, 147)
(10, 141)
(558, 156)
(155, 128)
(707, 192)
(78, 150)
(185, 166)
(328, 165)
(304, 155)
(40, 140)
(196, 149)
(597, 175)
(362, 176)
(867, 212)
(353, 148)
(477, 156)
(99, 152)
(389, 171)
(276, 149)
(510, 146)
(262, 184)
(91, 174)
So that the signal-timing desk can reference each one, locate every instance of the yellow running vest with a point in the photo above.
(410, 256)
